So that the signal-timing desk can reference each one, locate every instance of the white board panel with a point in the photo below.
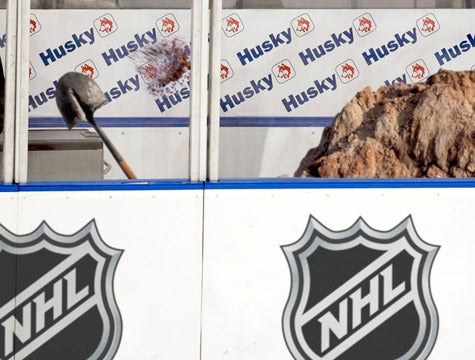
(155, 283)
(247, 278)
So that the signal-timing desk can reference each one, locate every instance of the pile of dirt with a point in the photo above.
(401, 131)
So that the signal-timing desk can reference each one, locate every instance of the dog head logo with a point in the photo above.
(149, 72)
(418, 71)
(360, 294)
(302, 25)
(364, 24)
(347, 71)
(31, 72)
(105, 25)
(427, 24)
(226, 72)
(232, 25)
(35, 25)
(283, 71)
(87, 68)
(167, 25)
(58, 289)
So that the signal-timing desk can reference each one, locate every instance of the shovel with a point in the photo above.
(77, 98)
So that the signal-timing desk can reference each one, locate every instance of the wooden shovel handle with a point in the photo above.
(115, 153)
(127, 170)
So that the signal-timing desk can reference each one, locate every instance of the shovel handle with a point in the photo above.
(115, 153)
(127, 170)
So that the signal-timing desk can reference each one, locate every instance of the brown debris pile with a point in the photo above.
(164, 65)
(401, 131)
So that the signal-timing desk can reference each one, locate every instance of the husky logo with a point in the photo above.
(283, 71)
(302, 25)
(347, 71)
(427, 25)
(360, 294)
(232, 25)
(418, 71)
(31, 72)
(364, 24)
(105, 25)
(149, 72)
(57, 298)
(226, 72)
(167, 25)
(35, 25)
(87, 68)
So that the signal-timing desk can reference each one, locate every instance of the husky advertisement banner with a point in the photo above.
(284, 75)
(138, 58)
(309, 63)
(298, 65)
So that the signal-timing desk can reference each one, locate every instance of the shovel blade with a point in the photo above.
(78, 97)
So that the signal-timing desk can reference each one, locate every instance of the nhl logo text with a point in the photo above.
(360, 293)
(58, 289)
(35, 311)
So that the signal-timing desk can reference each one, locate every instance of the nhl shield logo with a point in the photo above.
(360, 294)
(58, 302)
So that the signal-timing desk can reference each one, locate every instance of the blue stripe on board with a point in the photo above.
(54, 122)
(240, 184)
(326, 183)
(8, 188)
(111, 185)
